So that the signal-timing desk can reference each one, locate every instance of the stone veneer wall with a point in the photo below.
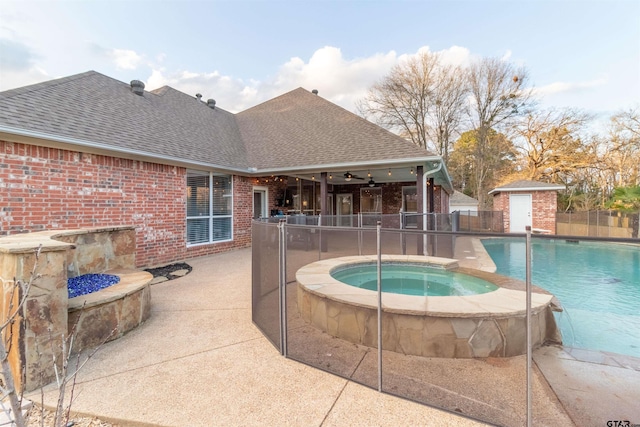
(43, 321)
(428, 335)
(43, 188)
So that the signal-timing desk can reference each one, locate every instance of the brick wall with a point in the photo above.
(544, 208)
(49, 188)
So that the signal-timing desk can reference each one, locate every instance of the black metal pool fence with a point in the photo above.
(498, 390)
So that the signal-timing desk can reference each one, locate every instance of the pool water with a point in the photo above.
(598, 285)
(410, 279)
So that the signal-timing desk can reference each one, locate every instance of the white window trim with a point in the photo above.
(211, 216)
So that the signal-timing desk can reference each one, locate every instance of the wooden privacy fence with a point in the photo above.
(598, 224)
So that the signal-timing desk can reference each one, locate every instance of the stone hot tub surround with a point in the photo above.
(48, 313)
(484, 325)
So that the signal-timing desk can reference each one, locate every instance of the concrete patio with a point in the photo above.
(199, 361)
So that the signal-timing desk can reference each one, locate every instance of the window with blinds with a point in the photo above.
(209, 207)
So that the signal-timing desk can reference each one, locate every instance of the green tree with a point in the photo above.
(625, 199)
(499, 161)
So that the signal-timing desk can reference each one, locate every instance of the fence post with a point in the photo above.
(528, 289)
(359, 233)
(403, 237)
(282, 284)
(379, 267)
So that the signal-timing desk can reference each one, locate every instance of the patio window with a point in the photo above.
(410, 206)
(371, 200)
(209, 207)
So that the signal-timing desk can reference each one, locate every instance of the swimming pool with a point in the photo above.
(598, 285)
(413, 279)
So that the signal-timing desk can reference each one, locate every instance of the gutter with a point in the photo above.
(105, 149)
(347, 165)
(129, 153)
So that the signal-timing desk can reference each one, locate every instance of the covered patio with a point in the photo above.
(418, 185)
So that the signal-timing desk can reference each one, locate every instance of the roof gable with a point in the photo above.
(459, 198)
(300, 128)
(527, 185)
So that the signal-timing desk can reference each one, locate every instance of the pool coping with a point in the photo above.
(316, 279)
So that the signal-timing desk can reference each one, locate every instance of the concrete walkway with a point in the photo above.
(200, 361)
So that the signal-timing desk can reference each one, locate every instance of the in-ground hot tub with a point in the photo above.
(489, 324)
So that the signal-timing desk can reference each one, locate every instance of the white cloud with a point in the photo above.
(125, 59)
(230, 94)
(567, 87)
(19, 65)
(338, 79)
(10, 79)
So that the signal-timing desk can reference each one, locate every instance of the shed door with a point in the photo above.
(519, 212)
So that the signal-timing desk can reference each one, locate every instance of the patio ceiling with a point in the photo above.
(380, 173)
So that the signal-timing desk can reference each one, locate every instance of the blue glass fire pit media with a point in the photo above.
(88, 283)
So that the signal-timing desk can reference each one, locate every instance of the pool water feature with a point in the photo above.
(598, 285)
(413, 279)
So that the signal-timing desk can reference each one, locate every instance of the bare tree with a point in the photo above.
(551, 147)
(422, 100)
(621, 150)
(499, 93)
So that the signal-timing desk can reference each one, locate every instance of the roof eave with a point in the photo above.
(512, 189)
(346, 165)
(56, 141)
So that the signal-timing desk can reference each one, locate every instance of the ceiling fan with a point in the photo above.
(348, 176)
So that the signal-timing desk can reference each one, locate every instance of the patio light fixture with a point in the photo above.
(372, 183)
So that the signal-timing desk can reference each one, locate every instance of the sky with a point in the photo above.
(579, 54)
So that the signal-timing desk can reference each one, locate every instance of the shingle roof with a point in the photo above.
(459, 198)
(95, 108)
(526, 185)
(300, 128)
(296, 129)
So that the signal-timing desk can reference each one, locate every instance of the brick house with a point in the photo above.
(91, 151)
(525, 203)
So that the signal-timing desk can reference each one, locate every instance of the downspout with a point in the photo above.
(425, 176)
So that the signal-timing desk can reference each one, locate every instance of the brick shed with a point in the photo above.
(525, 203)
